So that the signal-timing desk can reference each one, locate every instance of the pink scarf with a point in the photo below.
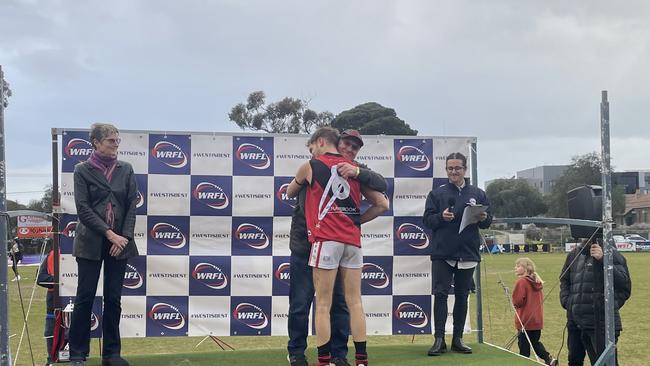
(106, 164)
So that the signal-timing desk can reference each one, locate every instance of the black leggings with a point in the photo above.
(524, 346)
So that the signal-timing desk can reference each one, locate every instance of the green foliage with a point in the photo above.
(11, 223)
(618, 199)
(372, 119)
(533, 234)
(584, 169)
(289, 115)
(45, 203)
(15, 205)
(514, 198)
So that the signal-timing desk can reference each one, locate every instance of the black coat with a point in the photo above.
(448, 244)
(581, 289)
(92, 192)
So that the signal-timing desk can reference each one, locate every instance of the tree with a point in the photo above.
(289, 115)
(45, 203)
(514, 198)
(584, 169)
(11, 223)
(533, 233)
(372, 119)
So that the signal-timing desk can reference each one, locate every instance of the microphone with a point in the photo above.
(451, 202)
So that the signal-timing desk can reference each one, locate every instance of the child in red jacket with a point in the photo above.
(528, 300)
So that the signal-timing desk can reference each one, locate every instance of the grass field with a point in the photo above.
(387, 350)
(404, 355)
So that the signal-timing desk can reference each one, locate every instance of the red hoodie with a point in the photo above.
(528, 299)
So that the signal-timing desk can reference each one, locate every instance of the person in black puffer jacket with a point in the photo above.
(582, 296)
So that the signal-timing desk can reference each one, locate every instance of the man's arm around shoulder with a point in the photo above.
(378, 204)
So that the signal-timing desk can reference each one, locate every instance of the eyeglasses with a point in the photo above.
(455, 168)
(351, 144)
(113, 141)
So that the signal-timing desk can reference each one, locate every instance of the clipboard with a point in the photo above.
(471, 216)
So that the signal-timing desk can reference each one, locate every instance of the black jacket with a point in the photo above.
(581, 289)
(448, 244)
(92, 192)
(298, 242)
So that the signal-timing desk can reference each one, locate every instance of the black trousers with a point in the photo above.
(14, 263)
(574, 343)
(88, 275)
(594, 343)
(443, 274)
(585, 341)
(538, 347)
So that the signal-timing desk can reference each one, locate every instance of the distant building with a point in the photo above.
(644, 182)
(637, 196)
(543, 177)
(633, 181)
(637, 210)
(628, 180)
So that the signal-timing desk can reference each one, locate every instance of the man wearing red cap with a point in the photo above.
(302, 288)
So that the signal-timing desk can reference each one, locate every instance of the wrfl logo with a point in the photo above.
(210, 275)
(282, 272)
(251, 315)
(252, 235)
(94, 321)
(211, 195)
(253, 156)
(374, 276)
(413, 235)
(70, 229)
(78, 149)
(168, 235)
(132, 278)
(169, 154)
(414, 158)
(140, 200)
(167, 315)
(412, 314)
(282, 196)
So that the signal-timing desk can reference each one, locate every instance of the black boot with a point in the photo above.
(458, 345)
(551, 361)
(439, 347)
(114, 361)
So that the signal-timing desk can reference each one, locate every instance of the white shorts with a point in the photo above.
(332, 254)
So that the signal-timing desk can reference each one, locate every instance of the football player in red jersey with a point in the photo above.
(333, 222)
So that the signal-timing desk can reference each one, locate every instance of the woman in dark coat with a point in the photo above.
(105, 195)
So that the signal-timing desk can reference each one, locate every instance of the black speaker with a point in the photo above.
(586, 203)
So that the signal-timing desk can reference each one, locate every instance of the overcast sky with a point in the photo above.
(524, 77)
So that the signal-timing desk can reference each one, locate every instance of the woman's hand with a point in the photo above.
(119, 242)
(115, 250)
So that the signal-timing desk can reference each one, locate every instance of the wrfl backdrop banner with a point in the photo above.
(213, 225)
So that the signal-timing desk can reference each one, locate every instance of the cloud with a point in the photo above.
(509, 72)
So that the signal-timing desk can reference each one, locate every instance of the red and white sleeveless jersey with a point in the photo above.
(332, 203)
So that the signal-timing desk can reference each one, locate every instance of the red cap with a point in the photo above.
(352, 134)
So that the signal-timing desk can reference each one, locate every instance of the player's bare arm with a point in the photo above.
(303, 177)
